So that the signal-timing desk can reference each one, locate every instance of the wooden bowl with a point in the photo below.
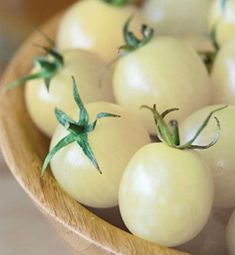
(24, 149)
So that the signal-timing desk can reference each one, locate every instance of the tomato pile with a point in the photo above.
(139, 103)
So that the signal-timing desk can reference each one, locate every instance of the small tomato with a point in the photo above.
(219, 157)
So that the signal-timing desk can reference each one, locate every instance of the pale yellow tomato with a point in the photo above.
(97, 26)
(178, 17)
(230, 235)
(113, 142)
(164, 72)
(223, 75)
(221, 156)
(86, 67)
(222, 19)
(166, 194)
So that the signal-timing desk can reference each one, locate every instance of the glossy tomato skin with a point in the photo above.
(114, 141)
(230, 235)
(219, 157)
(86, 67)
(166, 194)
(164, 72)
(223, 20)
(96, 26)
(223, 75)
(173, 18)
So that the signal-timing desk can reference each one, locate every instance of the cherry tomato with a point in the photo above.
(96, 26)
(113, 142)
(166, 194)
(219, 157)
(164, 72)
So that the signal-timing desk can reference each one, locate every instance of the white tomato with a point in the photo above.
(97, 26)
(86, 67)
(113, 142)
(219, 157)
(221, 19)
(166, 194)
(174, 17)
(223, 75)
(164, 72)
(230, 235)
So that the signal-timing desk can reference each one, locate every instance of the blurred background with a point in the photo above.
(19, 17)
(23, 230)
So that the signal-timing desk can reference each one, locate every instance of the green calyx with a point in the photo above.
(78, 130)
(48, 67)
(116, 2)
(132, 41)
(170, 134)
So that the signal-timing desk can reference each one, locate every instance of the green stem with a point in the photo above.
(202, 127)
(132, 41)
(48, 67)
(78, 130)
(116, 2)
(163, 131)
(175, 128)
(172, 137)
(24, 79)
(63, 142)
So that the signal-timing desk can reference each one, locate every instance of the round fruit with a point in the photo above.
(97, 26)
(164, 72)
(80, 148)
(219, 157)
(166, 194)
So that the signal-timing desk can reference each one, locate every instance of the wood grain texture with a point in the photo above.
(24, 149)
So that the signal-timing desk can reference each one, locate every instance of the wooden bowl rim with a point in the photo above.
(133, 244)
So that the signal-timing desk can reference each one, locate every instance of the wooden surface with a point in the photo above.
(24, 148)
(18, 235)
